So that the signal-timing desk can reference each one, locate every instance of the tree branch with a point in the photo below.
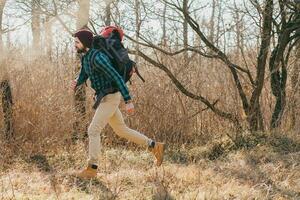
(151, 45)
(195, 26)
(177, 83)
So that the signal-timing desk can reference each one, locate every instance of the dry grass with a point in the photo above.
(201, 162)
(44, 108)
(265, 171)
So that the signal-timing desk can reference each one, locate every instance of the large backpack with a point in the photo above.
(110, 42)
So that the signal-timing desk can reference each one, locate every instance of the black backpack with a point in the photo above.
(117, 53)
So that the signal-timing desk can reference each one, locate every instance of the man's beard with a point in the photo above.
(81, 50)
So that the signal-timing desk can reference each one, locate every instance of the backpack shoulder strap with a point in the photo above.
(92, 59)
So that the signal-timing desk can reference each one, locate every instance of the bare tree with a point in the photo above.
(107, 20)
(164, 27)
(48, 35)
(219, 19)
(286, 33)
(185, 7)
(296, 89)
(6, 98)
(2, 5)
(43, 12)
(295, 122)
(36, 25)
(54, 10)
(80, 94)
(238, 19)
(212, 22)
(83, 13)
(250, 104)
(138, 22)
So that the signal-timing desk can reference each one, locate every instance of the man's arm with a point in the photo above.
(82, 77)
(102, 63)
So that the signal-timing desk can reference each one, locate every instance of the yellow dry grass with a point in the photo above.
(258, 173)
(201, 162)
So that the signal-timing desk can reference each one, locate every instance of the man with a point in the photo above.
(107, 82)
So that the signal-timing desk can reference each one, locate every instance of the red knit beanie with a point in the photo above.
(85, 37)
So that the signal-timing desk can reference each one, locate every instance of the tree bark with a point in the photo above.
(107, 13)
(253, 111)
(212, 22)
(295, 79)
(48, 36)
(278, 84)
(164, 29)
(2, 5)
(219, 5)
(185, 33)
(83, 13)
(36, 26)
(138, 23)
(295, 120)
(239, 33)
(7, 109)
(80, 93)
(277, 65)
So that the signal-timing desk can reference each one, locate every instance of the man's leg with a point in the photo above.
(105, 110)
(102, 115)
(120, 128)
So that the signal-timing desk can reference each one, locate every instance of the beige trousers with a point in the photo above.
(108, 112)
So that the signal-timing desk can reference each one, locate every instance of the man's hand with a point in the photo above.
(73, 84)
(129, 107)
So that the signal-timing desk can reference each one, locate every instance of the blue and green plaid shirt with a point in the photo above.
(102, 74)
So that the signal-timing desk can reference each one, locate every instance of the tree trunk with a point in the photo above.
(48, 36)
(7, 109)
(83, 13)
(255, 119)
(79, 125)
(164, 29)
(35, 26)
(185, 32)
(277, 67)
(212, 22)
(138, 23)
(253, 111)
(278, 84)
(218, 24)
(107, 13)
(2, 4)
(211, 27)
(239, 34)
(295, 121)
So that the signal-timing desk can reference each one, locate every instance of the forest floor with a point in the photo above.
(269, 169)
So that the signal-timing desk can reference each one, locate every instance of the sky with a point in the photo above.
(22, 36)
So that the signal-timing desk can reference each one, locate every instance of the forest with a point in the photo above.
(221, 90)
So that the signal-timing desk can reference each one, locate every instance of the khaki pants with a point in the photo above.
(108, 112)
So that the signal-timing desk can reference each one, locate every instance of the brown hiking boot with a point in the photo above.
(88, 173)
(158, 152)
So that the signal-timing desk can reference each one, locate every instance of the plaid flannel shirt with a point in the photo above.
(102, 74)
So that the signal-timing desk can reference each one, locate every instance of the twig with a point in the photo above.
(12, 187)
